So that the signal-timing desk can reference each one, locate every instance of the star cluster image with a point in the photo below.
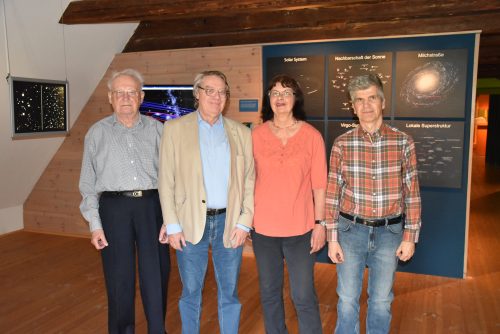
(39, 107)
(53, 107)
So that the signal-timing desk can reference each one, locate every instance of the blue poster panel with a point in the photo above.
(440, 147)
(431, 84)
(309, 71)
(335, 129)
(343, 67)
(320, 126)
(428, 84)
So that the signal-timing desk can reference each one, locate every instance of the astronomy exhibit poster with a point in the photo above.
(440, 147)
(343, 67)
(431, 84)
(309, 73)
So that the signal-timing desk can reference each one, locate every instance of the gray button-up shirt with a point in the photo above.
(117, 158)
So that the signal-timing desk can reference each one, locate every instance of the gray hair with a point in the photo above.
(202, 75)
(363, 82)
(126, 72)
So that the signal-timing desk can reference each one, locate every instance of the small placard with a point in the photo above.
(249, 105)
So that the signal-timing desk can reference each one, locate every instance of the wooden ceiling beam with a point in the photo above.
(170, 36)
(109, 11)
(173, 24)
(298, 19)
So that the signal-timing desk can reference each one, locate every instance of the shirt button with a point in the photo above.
(131, 161)
(373, 210)
(203, 201)
(373, 177)
(135, 178)
(374, 194)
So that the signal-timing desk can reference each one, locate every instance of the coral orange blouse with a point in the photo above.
(285, 178)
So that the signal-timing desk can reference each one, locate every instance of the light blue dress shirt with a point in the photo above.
(215, 161)
(216, 165)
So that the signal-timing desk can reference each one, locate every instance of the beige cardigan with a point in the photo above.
(180, 179)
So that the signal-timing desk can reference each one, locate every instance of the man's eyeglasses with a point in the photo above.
(285, 93)
(122, 93)
(212, 92)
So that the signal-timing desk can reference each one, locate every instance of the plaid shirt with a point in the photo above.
(372, 177)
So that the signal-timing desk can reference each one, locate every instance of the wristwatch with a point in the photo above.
(321, 222)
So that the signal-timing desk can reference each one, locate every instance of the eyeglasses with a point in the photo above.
(212, 92)
(277, 94)
(122, 93)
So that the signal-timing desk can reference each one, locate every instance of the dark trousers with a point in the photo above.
(269, 254)
(132, 224)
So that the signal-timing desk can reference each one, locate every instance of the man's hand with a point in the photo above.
(318, 238)
(177, 241)
(163, 237)
(238, 237)
(406, 250)
(335, 252)
(98, 239)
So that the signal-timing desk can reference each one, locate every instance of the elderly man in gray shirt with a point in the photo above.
(118, 183)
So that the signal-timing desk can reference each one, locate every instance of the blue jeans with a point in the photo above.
(269, 254)
(193, 262)
(374, 247)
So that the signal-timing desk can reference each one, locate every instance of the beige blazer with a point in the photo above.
(180, 180)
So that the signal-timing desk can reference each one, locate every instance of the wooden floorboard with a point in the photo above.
(54, 284)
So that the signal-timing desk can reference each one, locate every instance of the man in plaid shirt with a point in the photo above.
(372, 208)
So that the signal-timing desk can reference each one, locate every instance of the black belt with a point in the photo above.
(373, 222)
(130, 193)
(215, 212)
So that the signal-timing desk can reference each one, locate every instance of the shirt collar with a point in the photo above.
(379, 133)
(115, 121)
(218, 122)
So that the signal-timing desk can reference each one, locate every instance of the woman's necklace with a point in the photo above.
(285, 127)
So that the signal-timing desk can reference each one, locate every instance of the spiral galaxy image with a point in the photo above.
(429, 84)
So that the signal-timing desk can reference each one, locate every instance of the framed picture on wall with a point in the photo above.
(39, 107)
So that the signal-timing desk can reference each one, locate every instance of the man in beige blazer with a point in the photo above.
(206, 185)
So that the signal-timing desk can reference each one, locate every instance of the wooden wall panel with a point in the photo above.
(53, 205)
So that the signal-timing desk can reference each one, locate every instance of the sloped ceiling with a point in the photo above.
(167, 24)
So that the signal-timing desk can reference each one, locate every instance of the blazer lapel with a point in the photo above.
(193, 143)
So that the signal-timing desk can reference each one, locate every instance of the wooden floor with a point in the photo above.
(54, 284)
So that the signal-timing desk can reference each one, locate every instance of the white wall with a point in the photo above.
(34, 45)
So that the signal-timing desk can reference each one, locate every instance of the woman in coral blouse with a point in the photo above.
(291, 174)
